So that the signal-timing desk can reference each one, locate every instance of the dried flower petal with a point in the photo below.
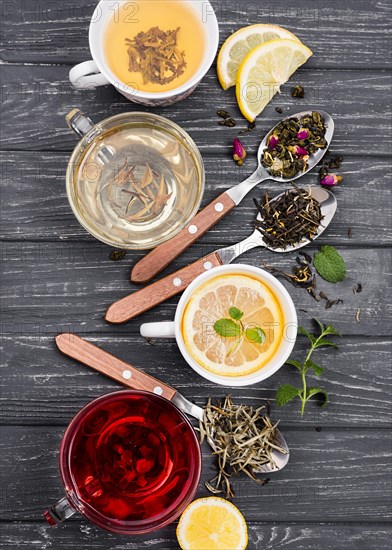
(330, 180)
(239, 152)
(298, 150)
(303, 134)
(273, 142)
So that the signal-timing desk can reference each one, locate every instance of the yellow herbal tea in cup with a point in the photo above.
(233, 325)
(155, 45)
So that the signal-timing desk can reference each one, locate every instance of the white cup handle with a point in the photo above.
(165, 329)
(86, 76)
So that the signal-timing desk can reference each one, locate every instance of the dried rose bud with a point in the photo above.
(298, 151)
(239, 152)
(303, 134)
(330, 180)
(273, 141)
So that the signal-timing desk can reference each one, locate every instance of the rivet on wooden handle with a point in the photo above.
(156, 260)
(142, 300)
(92, 356)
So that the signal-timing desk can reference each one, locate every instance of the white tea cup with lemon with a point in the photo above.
(235, 325)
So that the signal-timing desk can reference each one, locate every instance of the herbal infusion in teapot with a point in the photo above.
(154, 45)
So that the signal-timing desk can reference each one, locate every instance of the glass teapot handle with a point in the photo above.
(59, 512)
(79, 123)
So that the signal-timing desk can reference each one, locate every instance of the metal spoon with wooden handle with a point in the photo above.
(92, 356)
(142, 300)
(156, 260)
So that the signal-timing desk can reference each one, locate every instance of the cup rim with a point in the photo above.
(212, 29)
(290, 319)
(119, 526)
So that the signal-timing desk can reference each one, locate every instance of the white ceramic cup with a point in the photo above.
(172, 329)
(94, 73)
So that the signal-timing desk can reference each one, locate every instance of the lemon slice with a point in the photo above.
(232, 356)
(212, 524)
(264, 70)
(239, 44)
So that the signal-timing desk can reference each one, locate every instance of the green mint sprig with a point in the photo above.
(233, 327)
(287, 392)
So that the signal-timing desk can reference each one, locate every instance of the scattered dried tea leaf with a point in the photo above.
(117, 255)
(298, 91)
(223, 114)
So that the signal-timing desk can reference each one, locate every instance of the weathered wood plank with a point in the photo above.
(52, 287)
(34, 185)
(335, 475)
(358, 379)
(359, 101)
(303, 536)
(353, 33)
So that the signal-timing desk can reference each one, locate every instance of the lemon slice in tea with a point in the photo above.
(238, 355)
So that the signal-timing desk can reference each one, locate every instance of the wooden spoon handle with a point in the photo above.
(156, 260)
(105, 363)
(142, 300)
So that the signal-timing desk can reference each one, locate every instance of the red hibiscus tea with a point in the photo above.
(133, 462)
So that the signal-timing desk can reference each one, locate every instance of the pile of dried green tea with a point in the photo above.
(292, 142)
(242, 438)
(287, 220)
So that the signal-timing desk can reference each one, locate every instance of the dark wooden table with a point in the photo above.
(335, 492)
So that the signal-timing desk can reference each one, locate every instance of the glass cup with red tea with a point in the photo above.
(130, 462)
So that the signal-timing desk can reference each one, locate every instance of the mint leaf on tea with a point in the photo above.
(236, 313)
(285, 394)
(329, 264)
(255, 335)
(227, 328)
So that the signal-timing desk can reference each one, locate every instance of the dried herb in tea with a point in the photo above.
(155, 54)
(146, 191)
(295, 216)
(243, 440)
(292, 142)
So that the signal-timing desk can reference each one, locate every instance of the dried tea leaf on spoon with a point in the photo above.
(242, 438)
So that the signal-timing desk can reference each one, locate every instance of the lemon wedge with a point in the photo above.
(212, 524)
(239, 44)
(264, 70)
